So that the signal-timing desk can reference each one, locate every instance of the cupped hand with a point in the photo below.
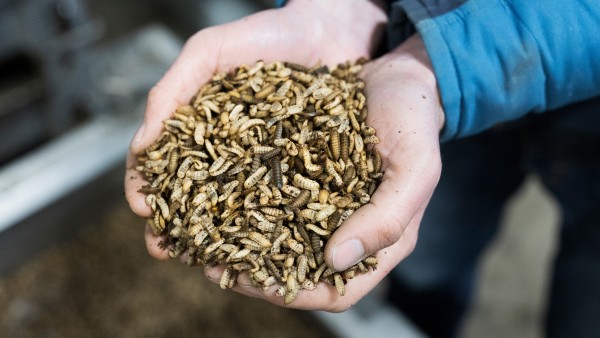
(404, 108)
(305, 32)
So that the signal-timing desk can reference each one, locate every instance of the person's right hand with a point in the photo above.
(305, 32)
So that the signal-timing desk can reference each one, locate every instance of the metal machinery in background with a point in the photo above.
(68, 108)
(44, 58)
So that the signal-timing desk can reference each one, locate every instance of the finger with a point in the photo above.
(134, 181)
(153, 245)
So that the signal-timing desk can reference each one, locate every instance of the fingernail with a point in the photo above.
(347, 254)
(138, 136)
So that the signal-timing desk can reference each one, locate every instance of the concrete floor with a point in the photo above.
(514, 273)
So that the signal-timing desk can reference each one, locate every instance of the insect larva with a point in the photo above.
(156, 165)
(174, 156)
(329, 167)
(358, 143)
(349, 174)
(305, 183)
(353, 121)
(277, 243)
(222, 169)
(284, 88)
(334, 220)
(271, 153)
(306, 156)
(200, 237)
(164, 208)
(228, 190)
(308, 214)
(314, 86)
(256, 67)
(213, 232)
(308, 285)
(295, 245)
(200, 133)
(260, 239)
(270, 281)
(266, 91)
(325, 213)
(281, 291)
(225, 278)
(296, 67)
(260, 149)
(150, 201)
(318, 230)
(321, 93)
(277, 172)
(301, 200)
(371, 261)
(251, 123)
(272, 268)
(323, 196)
(255, 177)
(371, 139)
(217, 164)
(302, 268)
(339, 284)
(319, 272)
(260, 276)
(272, 211)
(377, 161)
(214, 246)
(336, 101)
(229, 228)
(241, 254)
(147, 189)
(334, 140)
(303, 234)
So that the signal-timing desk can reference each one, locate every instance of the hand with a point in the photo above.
(405, 110)
(304, 32)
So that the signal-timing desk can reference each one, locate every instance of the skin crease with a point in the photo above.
(404, 108)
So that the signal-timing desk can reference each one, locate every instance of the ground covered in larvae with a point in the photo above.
(259, 170)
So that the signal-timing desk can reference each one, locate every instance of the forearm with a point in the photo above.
(498, 60)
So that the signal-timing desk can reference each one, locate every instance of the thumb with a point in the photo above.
(400, 199)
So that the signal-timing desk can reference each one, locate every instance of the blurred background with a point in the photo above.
(74, 75)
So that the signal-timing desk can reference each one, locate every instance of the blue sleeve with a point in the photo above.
(497, 60)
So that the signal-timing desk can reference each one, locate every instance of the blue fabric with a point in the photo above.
(497, 60)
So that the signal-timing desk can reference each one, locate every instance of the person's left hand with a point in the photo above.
(405, 110)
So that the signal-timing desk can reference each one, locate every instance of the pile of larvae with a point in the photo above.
(259, 170)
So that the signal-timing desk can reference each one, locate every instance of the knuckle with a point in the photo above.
(154, 95)
(390, 231)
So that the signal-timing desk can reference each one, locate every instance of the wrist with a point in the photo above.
(416, 64)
